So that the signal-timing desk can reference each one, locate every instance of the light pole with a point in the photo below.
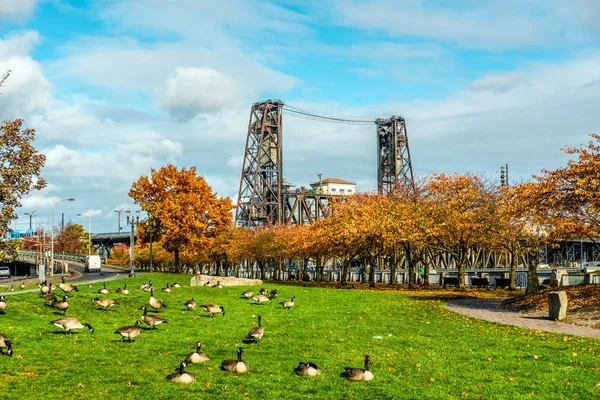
(52, 227)
(31, 215)
(86, 214)
(119, 218)
(132, 221)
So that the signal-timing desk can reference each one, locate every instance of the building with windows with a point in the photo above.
(334, 186)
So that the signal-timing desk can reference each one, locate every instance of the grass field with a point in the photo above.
(425, 351)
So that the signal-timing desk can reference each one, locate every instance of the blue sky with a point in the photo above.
(116, 87)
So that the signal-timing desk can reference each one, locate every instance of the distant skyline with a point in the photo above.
(116, 87)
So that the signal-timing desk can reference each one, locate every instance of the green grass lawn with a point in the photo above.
(425, 351)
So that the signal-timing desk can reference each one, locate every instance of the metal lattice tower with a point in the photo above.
(260, 196)
(393, 156)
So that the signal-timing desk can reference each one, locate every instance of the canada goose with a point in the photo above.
(129, 331)
(274, 293)
(152, 320)
(45, 289)
(176, 285)
(62, 305)
(5, 342)
(166, 289)
(154, 303)
(207, 283)
(213, 309)
(149, 287)
(261, 298)
(288, 303)
(105, 303)
(190, 304)
(70, 323)
(219, 285)
(197, 357)
(2, 305)
(238, 365)
(90, 285)
(104, 290)
(263, 291)
(257, 332)
(51, 299)
(67, 287)
(143, 285)
(307, 369)
(248, 293)
(124, 290)
(359, 374)
(180, 376)
(22, 286)
(12, 288)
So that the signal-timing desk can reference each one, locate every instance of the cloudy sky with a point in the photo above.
(116, 87)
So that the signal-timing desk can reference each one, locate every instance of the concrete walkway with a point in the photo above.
(492, 310)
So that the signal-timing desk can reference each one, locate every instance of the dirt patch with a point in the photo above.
(583, 305)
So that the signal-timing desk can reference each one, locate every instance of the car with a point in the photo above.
(4, 272)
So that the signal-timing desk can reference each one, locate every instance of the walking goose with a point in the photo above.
(359, 374)
(104, 290)
(180, 376)
(130, 331)
(307, 369)
(105, 303)
(288, 303)
(123, 290)
(257, 332)
(197, 357)
(70, 323)
(190, 304)
(154, 303)
(67, 287)
(44, 288)
(5, 342)
(239, 366)
(248, 293)
(62, 305)
(213, 309)
(2, 305)
(152, 320)
(261, 298)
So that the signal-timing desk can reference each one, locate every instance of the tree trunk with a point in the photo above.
(344, 272)
(411, 267)
(176, 253)
(460, 265)
(392, 267)
(533, 283)
(371, 272)
(513, 270)
(261, 266)
(363, 275)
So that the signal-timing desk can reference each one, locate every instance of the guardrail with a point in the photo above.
(28, 255)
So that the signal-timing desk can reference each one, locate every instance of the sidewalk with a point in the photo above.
(491, 310)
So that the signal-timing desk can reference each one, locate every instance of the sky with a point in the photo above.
(114, 88)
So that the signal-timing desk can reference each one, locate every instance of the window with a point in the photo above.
(341, 190)
(333, 189)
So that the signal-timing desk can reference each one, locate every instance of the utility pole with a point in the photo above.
(31, 215)
(132, 221)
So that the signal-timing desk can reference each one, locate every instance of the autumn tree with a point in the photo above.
(72, 239)
(119, 255)
(461, 208)
(186, 212)
(20, 166)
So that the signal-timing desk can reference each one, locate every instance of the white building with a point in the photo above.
(334, 186)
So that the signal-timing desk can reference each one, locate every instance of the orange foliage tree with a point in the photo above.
(186, 212)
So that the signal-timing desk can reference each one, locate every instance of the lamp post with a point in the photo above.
(86, 214)
(119, 218)
(52, 227)
(31, 215)
(132, 221)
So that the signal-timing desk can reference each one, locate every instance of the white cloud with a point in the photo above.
(236, 161)
(16, 10)
(191, 91)
(496, 82)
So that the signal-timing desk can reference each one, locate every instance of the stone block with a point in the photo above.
(200, 280)
(558, 274)
(557, 305)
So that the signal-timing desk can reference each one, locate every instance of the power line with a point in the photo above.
(325, 118)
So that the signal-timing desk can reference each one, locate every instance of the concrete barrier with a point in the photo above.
(200, 280)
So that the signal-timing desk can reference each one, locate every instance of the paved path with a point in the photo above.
(491, 310)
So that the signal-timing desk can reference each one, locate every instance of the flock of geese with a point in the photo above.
(130, 332)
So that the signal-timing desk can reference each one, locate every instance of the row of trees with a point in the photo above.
(452, 214)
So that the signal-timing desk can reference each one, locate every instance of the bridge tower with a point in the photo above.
(393, 155)
(260, 196)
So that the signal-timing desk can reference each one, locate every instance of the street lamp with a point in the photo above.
(132, 221)
(31, 215)
(86, 214)
(52, 227)
(119, 219)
